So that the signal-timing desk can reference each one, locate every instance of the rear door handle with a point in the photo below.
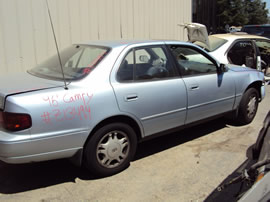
(131, 97)
(194, 87)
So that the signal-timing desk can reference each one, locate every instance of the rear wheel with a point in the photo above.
(110, 149)
(248, 106)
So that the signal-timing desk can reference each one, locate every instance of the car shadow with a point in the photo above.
(24, 177)
(171, 140)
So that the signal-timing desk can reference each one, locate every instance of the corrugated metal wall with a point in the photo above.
(26, 37)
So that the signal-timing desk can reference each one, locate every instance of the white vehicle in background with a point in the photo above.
(234, 29)
(233, 48)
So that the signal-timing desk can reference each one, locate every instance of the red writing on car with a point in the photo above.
(71, 111)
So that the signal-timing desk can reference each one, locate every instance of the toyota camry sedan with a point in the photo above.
(102, 98)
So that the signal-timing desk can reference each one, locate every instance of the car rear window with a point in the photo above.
(214, 43)
(77, 61)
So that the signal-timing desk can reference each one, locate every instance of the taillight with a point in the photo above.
(15, 121)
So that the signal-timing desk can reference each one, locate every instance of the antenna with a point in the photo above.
(66, 88)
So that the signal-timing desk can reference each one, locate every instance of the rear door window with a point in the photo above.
(147, 63)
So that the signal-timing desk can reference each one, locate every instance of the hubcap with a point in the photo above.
(252, 106)
(113, 149)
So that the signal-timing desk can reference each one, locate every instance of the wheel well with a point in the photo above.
(121, 119)
(257, 85)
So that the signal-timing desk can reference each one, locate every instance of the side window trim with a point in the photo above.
(173, 61)
(134, 64)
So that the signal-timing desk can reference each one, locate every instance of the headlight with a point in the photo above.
(2, 99)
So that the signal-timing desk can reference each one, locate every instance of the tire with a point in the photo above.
(248, 106)
(110, 149)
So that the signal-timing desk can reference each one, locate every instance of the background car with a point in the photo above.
(234, 48)
(261, 30)
(116, 94)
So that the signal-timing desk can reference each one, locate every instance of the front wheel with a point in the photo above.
(248, 106)
(110, 149)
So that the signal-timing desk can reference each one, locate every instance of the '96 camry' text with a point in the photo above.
(67, 107)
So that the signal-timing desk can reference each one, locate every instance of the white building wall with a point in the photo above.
(26, 37)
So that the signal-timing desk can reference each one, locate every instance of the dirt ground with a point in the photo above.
(183, 166)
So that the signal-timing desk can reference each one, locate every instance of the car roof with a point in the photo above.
(121, 43)
(238, 35)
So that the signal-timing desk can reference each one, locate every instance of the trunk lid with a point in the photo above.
(23, 82)
(197, 32)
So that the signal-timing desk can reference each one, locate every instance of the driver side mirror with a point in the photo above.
(221, 68)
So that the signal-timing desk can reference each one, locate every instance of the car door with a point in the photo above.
(209, 93)
(147, 87)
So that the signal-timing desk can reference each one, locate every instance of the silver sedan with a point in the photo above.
(104, 97)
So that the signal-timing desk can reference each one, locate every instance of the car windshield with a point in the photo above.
(214, 43)
(77, 61)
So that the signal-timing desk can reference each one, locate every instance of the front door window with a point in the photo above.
(192, 62)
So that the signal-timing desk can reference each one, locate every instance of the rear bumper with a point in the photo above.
(17, 149)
